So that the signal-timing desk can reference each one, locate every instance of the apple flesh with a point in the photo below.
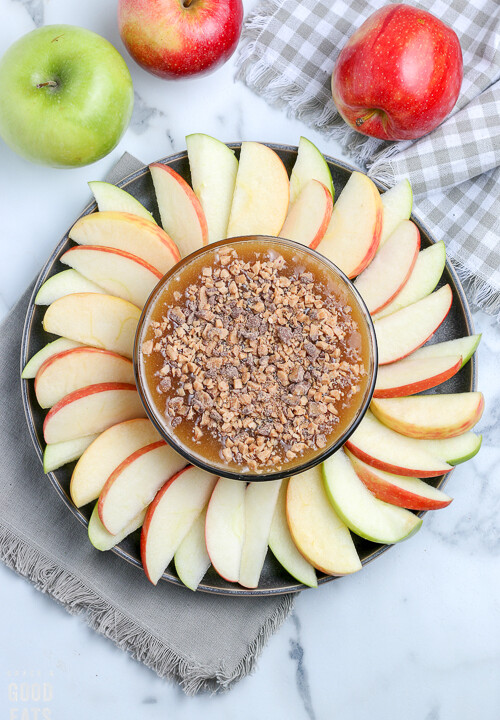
(53, 348)
(66, 282)
(309, 216)
(397, 203)
(114, 199)
(309, 165)
(260, 501)
(465, 347)
(225, 527)
(58, 454)
(410, 376)
(191, 558)
(101, 539)
(455, 450)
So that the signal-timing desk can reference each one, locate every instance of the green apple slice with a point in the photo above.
(309, 165)
(101, 539)
(191, 559)
(260, 501)
(397, 203)
(65, 283)
(455, 450)
(111, 198)
(213, 176)
(363, 513)
(58, 454)
(53, 348)
(465, 347)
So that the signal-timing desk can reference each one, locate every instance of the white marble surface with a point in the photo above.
(414, 636)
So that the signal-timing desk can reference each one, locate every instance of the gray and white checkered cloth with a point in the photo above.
(287, 55)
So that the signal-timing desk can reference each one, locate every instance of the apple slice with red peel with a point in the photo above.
(317, 531)
(53, 348)
(283, 547)
(128, 232)
(404, 331)
(73, 369)
(410, 376)
(113, 199)
(58, 454)
(170, 517)
(397, 203)
(408, 492)
(261, 194)
(91, 410)
(353, 235)
(133, 485)
(308, 217)
(309, 165)
(66, 282)
(102, 321)
(465, 347)
(181, 213)
(381, 447)
(455, 450)
(191, 558)
(225, 527)
(260, 501)
(391, 267)
(105, 454)
(101, 539)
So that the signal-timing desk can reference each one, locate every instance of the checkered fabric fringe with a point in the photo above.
(287, 55)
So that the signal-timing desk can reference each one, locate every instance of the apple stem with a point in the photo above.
(361, 120)
(49, 83)
(186, 3)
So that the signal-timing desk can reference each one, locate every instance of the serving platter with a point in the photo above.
(274, 579)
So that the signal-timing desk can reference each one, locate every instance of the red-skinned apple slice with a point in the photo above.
(66, 282)
(353, 235)
(410, 376)
(308, 217)
(91, 410)
(105, 454)
(58, 454)
(53, 348)
(191, 558)
(397, 203)
(170, 517)
(101, 539)
(133, 485)
(225, 527)
(181, 213)
(404, 331)
(260, 501)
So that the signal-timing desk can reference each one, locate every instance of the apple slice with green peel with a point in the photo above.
(53, 348)
(73, 369)
(401, 333)
(66, 282)
(408, 492)
(113, 199)
(465, 347)
(260, 501)
(132, 486)
(353, 235)
(391, 267)
(261, 194)
(455, 450)
(213, 175)
(91, 410)
(170, 517)
(309, 165)
(181, 213)
(283, 547)
(308, 217)
(101, 539)
(133, 234)
(317, 531)
(58, 454)
(102, 321)
(397, 203)
(430, 416)
(105, 454)
(225, 527)
(191, 558)
(410, 376)
(381, 447)
(363, 513)
(422, 281)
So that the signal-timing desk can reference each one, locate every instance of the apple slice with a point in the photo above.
(191, 558)
(181, 213)
(225, 527)
(170, 517)
(111, 198)
(260, 501)
(353, 235)
(309, 165)
(213, 176)
(410, 376)
(397, 203)
(65, 283)
(103, 456)
(316, 529)
(381, 447)
(465, 347)
(73, 369)
(53, 348)
(408, 492)
(455, 450)
(391, 267)
(308, 217)
(284, 549)
(91, 410)
(404, 331)
(124, 231)
(101, 539)
(261, 193)
(133, 485)
(58, 454)
(102, 321)
(430, 416)
(422, 281)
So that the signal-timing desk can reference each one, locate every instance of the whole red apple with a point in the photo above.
(178, 38)
(399, 75)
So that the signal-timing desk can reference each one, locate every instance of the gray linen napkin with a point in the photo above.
(287, 56)
(204, 642)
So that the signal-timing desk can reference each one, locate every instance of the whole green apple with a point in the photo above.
(66, 96)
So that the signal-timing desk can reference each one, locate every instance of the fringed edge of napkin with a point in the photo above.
(77, 599)
(480, 294)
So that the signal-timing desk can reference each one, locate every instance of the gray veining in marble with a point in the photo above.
(36, 9)
(297, 655)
